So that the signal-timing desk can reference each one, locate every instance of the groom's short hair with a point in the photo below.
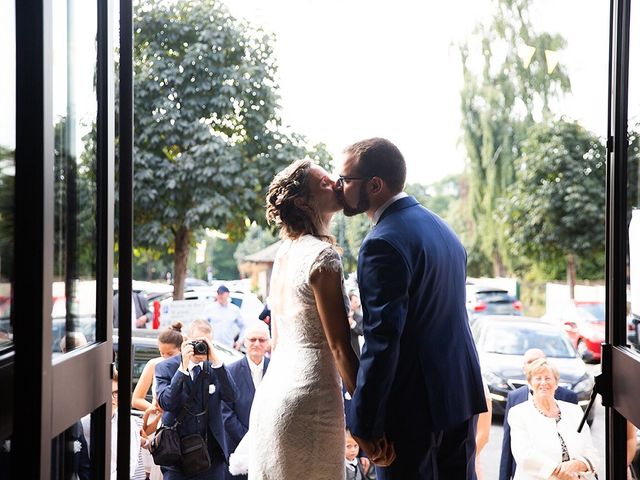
(378, 157)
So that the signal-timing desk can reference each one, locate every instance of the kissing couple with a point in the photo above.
(417, 390)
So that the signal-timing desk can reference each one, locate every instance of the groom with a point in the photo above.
(419, 388)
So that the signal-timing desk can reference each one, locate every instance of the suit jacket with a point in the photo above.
(418, 355)
(353, 475)
(173, 389)
(535, 443)
(236, 413)
(515, 397)
(139, 303)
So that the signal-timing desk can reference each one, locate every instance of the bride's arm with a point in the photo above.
(327, 290)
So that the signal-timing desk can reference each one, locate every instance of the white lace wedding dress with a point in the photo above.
(296, 428)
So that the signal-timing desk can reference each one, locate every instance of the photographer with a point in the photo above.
(198, 367)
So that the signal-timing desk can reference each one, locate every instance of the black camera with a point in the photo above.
(200, 347)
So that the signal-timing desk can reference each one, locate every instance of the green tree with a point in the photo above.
(256, 239)
(555, 210)
(499, 104)
(208, 138)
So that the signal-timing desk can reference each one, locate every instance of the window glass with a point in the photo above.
(633, 183)
(74, 116)
(7, 166)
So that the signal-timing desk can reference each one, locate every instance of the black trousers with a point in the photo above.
(446, 455)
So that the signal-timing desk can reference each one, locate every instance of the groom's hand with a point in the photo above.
(380, 451)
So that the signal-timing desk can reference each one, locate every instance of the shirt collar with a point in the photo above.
(254, 367)
(191, 365)
(353, 462)
(380, 211)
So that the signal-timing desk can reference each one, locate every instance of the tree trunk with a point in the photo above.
(498, 266)
(571, 275)
(182, 241)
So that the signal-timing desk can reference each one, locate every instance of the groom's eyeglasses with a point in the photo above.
(342, 179)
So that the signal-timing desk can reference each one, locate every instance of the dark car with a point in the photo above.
(633, 336)
(488, 300)
(585, 325)
(502, 340)
(145, 347)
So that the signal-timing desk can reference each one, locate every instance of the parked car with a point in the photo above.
(633, 336)
(488, 300)
(196, 299)
(585, 325)
(502, 340)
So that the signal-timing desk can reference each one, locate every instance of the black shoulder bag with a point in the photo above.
(166, 445)
(195, 454)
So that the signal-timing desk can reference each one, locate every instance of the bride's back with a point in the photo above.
(293, 307)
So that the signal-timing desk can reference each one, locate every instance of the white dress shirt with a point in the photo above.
(256, 371)
(227, 322)
(385, 205)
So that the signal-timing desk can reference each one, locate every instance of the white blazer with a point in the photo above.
(535, 444)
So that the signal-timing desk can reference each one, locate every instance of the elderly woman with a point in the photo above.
(544, 432)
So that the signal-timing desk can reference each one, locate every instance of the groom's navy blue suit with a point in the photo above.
(419, 378)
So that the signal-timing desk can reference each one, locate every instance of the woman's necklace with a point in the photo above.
(553, 412)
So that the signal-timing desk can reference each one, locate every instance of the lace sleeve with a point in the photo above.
(328, 261)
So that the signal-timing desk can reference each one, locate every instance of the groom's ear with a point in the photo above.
(376, 185)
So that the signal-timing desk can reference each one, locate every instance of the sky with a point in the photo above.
(352, 69)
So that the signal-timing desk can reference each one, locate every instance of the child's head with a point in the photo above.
(351, 447)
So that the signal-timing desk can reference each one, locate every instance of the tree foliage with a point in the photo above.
(208, 138)
(500, 100)
(555, 210)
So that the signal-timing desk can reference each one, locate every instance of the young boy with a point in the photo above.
(351, 460)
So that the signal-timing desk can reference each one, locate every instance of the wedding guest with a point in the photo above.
(482, 430)
(544, 431)
(225, 319)
(176, 378)
(134, 440)
(515, 397)
(354, 469)
(169, 343)
(247, 374)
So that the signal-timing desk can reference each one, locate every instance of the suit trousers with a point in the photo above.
(444, 455)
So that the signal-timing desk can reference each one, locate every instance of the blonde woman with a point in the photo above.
(544, 432)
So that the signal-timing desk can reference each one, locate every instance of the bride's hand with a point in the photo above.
(380, 451)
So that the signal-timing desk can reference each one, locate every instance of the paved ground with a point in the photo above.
(490, 457)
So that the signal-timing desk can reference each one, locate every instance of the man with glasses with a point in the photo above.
(247, 374)
(418, 354)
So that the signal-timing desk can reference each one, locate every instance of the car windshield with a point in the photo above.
(591, 312)
(511, 340)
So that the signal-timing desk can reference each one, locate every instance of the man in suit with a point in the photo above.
(247, 374)
(419, 388)
(515, 397)
(175, 378)
(140, 313)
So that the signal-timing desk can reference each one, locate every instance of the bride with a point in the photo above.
(296, 428)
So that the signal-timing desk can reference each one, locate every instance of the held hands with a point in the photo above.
(380, 451)
(189, 355)
(569, 470)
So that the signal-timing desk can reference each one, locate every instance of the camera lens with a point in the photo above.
(200, 347)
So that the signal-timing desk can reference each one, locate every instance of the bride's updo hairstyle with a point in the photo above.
(288, 202)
